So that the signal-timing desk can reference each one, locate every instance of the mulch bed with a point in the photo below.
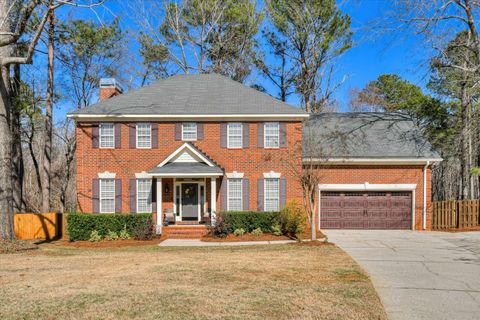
(111, 244)
(16, 246)
(245, 237)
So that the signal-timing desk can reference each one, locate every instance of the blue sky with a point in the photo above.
(374, 53)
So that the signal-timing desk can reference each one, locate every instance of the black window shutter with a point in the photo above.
(96, 195)
(118, 195)
(223, 192)
(154, 135)
(260, 200)
(133, 195)
(95, 133)
(260, 142)
(246, 194)
(132, 135)
(118, 135)
(223, 135)
(283, 135)
(154, 195)
(200, 131)
(283, 192)
(178, 131)
(246, 135)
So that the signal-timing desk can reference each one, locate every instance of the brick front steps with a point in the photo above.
(185, 231)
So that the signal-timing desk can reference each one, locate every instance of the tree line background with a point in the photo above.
(54, 52)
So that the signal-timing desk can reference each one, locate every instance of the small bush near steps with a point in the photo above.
(95, 236)
(257, 232)
(239, 232)
(111, 236)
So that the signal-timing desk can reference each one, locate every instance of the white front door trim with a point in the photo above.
(366, 187)
(178, 209)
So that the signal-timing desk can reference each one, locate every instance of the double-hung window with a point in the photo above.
(272, 194)
(235, 196)
(189, 131)
(107, 135)
(144, 135)
(144, 195)
(107, 195)
(272, 135)
(234, 135)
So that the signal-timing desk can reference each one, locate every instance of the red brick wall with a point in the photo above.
(125, 162)
(108, 92)
(384, 175)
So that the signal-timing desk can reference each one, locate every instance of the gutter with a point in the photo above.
(424, 224)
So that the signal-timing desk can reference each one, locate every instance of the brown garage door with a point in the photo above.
(366, 210)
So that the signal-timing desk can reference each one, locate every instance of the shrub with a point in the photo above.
(250, 220)
(95, 236)
(220, 229)
(277, 229)
(111, 235)
(124, 235)
(80, 226)
(143, 230)
(293, 219)
(257, 232)
(239, 232)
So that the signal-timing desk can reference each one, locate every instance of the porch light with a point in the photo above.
(167, 189)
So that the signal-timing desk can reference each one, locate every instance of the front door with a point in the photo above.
(189, 201)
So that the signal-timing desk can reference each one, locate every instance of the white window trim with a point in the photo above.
(241, 194)
(142, 175)
(265, 135)
(265, 193)
(106, 175)
(235, 175)
(136, 136)
(228, 135)
(100, 135)
(272, 175)
(100, 195)
(196, 132)
(151, 206)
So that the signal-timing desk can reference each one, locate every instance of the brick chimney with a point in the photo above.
(109, 88)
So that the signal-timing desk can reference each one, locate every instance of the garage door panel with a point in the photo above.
(365, 210)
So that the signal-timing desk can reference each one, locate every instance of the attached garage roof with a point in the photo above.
(371, 135)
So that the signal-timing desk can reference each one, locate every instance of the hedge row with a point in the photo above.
(80, 226)
(250, 220)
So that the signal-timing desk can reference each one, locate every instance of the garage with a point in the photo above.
(365, 210)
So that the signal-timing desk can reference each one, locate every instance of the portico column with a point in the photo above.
(159, 206)
(213, 200)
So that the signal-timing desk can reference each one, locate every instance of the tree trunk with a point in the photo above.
(18, 169)
(48, 132)
(6, 193)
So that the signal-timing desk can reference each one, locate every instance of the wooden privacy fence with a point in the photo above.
(31, 226)
(455, 214)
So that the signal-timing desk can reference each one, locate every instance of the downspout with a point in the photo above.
(424, 225)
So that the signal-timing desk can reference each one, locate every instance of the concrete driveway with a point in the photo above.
(419, 275)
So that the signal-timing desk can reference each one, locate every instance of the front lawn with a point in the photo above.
(149, 282)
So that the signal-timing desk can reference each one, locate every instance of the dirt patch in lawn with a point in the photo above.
(110, 244)
(16, 246)
(152, 282)
(245, 237)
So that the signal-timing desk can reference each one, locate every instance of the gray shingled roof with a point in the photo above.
(190, 95)
(365, 135)
(186, 168)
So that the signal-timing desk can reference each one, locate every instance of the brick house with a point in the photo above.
(191, 146)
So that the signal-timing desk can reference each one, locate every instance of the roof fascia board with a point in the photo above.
(367, 187)
(371, 161)
(185, 175)
(176, 117)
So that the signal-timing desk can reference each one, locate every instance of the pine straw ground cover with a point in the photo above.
(151, 282)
